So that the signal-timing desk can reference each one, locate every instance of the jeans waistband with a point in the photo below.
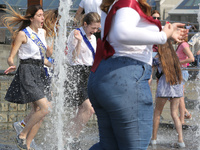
(37, 62)
(125, 59)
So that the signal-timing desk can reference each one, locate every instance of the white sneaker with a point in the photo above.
(18, 128)
(178, 145)
(153, 142)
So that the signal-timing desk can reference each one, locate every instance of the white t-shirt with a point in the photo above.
(85, 57)
(195, 43)
(91, 6)
(132, 36)
(30, 49)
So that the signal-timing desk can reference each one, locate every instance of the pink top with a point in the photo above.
(180, 53)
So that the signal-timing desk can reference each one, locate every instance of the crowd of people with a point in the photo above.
(112, 73)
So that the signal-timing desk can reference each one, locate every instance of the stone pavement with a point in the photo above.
(192, 97)
(166, 137)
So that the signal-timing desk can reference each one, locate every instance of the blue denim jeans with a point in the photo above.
(197, 59)
(185, 76)
(121, 97)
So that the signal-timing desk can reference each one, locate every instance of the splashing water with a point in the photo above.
(59, 76)
(57, 126)
(54, 128)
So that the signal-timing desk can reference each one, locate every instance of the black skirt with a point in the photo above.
(76, 84)
(28, 83)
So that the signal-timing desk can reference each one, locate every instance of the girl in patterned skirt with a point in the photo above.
(169, 88)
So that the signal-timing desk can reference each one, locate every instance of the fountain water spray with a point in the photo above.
(59, 69)
(54, 137)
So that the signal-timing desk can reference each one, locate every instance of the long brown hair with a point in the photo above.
(170, 63)
(14, 19)
(51, 17)
(146, 8)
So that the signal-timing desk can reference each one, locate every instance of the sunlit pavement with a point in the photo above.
(167, 136)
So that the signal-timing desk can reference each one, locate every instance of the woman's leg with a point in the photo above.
(36, 117)
(188, 115)
(108, 140)
(26, 119)
(107, 136)
(35, 128)
(85, 111)
(160, 102)
(123, 103)
(182, 108)
(174, 105)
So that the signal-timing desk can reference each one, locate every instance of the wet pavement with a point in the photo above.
(166, 137)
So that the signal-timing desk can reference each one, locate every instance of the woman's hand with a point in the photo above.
(10, 69)
(77, 50)
(175, 31)
(78, 35)
(168, 29)
(179, 33)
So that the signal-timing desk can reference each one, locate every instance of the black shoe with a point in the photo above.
(21, 143)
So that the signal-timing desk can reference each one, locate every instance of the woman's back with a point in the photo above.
(180, 53)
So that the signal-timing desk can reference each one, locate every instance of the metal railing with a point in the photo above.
(8, 41)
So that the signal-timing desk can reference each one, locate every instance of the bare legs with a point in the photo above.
(174, 105)
(182, 109)
(157, 113)
(35, 120)
(85, 111)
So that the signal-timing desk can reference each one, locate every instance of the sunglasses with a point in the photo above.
(156, 18)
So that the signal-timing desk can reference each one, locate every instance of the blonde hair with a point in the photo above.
(14, 19)
(91, 17)
(49, 22)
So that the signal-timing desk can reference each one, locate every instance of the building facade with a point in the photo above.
(179, 10)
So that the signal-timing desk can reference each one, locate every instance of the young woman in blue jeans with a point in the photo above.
(118, 84)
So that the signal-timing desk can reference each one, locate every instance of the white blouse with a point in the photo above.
(85, 57)
(30, 49)
(133, 36)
